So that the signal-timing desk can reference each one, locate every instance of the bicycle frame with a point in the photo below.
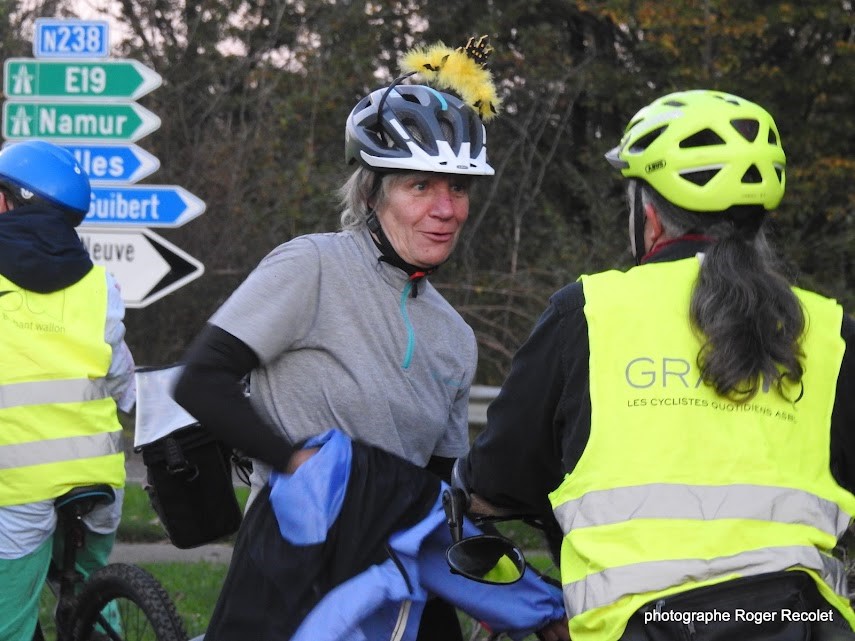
(81, 600)
(64, 579)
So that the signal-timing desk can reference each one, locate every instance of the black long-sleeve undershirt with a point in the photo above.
(539, 424)
(211, 388)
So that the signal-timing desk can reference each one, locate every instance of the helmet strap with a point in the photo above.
(389, 255)
(382, 102)
(636, 223)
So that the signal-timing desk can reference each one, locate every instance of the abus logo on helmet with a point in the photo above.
(659, 164)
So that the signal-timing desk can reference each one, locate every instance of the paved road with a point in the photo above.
(134, 467)
(168, 553)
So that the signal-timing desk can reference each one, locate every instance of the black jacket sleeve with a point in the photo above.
(539, 423)
(211, 389)
(843, 415)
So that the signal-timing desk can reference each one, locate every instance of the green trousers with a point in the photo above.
(22, 581)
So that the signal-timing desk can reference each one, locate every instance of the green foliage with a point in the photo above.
(255, 97)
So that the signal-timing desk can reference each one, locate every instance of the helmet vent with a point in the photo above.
(412, 128)
(674, 103)
(731, 99)
(700, 178)
(748, 128)
(632, 124)
(447, 131)
(780, 173)
(752, 176)
(773, 139)
(645, 141)
(703, 138)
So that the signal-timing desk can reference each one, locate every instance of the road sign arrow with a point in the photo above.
(120, 121)
(114, 163)
(143, 206)
(146, 266)
(108, 80)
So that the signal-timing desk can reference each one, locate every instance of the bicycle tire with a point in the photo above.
(145, 609)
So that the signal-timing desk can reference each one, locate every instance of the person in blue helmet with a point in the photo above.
(65, 371)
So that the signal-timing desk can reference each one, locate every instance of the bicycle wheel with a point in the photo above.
(123, 602)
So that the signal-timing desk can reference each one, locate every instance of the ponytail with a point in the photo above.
(747, 316)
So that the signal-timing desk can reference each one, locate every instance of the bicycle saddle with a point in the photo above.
(82, 500)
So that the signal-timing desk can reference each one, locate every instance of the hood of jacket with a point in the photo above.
(40, 250)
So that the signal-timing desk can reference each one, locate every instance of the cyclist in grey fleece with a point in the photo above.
(344, 329)
(342, 342)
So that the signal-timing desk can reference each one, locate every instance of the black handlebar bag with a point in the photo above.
(190, 486)
(188, 471)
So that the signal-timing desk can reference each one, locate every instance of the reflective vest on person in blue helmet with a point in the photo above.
(58, 422)
(678, 487)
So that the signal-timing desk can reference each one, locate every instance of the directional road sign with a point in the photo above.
(143, 206)
(146, 266)
(121, 121)
(114, 163)
(66, 38)
(31, 79)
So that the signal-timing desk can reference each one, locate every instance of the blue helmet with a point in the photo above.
(39, 169)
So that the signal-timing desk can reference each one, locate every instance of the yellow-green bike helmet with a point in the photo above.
(704, 151)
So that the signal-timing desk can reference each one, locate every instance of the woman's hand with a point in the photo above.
(479, 506)
(299, 457)
(555, 631)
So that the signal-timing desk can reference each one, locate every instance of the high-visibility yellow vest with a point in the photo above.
(58, 422)
(678, 487)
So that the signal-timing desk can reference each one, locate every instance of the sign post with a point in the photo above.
(121, 164)
(143, 206)
(28, 78)
(77, 121)
(72, 95)
(64, 38)
(147, 266)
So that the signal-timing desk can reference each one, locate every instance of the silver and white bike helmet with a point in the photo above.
(416, 127)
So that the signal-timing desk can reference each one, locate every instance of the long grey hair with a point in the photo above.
(748, 317)
(364, 192)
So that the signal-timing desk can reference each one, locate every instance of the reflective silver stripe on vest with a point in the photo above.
(606, 587)
(58, 391)
(702, 502)
(60, 449)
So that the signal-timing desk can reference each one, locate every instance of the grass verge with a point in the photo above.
(194, 588)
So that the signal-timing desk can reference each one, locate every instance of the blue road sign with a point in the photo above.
(143, 206)
(66, 38)
(114, 163)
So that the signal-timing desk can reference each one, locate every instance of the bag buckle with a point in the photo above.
(176, 463)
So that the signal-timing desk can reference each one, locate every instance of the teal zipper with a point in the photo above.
(411, 333)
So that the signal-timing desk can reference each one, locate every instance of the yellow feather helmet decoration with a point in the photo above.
(462, 70)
